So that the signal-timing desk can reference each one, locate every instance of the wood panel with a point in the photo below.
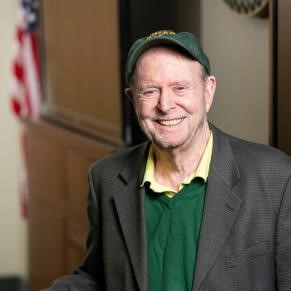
(58, 161)
(46, 243)
(76, 169)
(82, 64)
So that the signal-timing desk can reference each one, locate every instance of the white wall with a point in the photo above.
(13, 229)
(238, 48)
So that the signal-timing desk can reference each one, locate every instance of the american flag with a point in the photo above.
(26, 90)
(26, 68)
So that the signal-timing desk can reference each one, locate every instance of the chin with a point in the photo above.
(168, 144)
(163, 141)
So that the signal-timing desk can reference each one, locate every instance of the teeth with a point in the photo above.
(170, 122)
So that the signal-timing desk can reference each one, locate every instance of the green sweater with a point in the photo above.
(173, 226)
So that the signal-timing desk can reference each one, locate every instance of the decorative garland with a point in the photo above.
(249, 7)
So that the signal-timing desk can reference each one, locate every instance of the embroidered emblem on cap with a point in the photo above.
(161, 33)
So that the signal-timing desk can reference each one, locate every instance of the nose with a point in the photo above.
(166, 101)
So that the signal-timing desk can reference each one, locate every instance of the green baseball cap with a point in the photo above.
(185, 40)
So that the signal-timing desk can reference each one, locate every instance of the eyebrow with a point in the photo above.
(140, 88)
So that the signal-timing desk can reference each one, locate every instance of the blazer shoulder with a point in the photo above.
(116, 160)
(260, 155)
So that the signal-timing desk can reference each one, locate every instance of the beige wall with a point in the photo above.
(13, 229)
(238, 48)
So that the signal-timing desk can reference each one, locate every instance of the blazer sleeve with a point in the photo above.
(283, 242)
(75, 282)
(89, 276)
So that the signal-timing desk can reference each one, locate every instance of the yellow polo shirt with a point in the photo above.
(201, 171)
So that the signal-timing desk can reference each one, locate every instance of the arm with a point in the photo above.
(283, 242)
(77, 282)
(89, 276)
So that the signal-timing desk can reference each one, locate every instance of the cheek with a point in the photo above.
(192, 105)
(144, 109)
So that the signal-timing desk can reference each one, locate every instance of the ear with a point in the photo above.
(129, 93)
(210, 87)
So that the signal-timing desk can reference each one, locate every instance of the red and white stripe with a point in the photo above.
(26, 101)
(26, 94)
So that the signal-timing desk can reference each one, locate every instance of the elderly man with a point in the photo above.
(193, 208)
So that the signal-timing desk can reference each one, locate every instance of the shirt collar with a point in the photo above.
(201, 171)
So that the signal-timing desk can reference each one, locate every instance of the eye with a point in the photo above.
(150, 93)
(180, 89)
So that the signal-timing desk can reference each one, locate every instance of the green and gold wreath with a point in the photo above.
(249, 7)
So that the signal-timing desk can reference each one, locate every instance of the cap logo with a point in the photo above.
(161, 33)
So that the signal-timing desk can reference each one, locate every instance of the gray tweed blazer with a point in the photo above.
(245, 239)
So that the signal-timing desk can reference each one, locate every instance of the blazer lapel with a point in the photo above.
(129, 203)
(220, 209)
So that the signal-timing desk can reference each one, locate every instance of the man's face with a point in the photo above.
(170, 97)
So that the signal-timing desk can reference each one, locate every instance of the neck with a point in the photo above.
(172, 166)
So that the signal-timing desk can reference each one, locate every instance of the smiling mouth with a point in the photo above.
(170, 122)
